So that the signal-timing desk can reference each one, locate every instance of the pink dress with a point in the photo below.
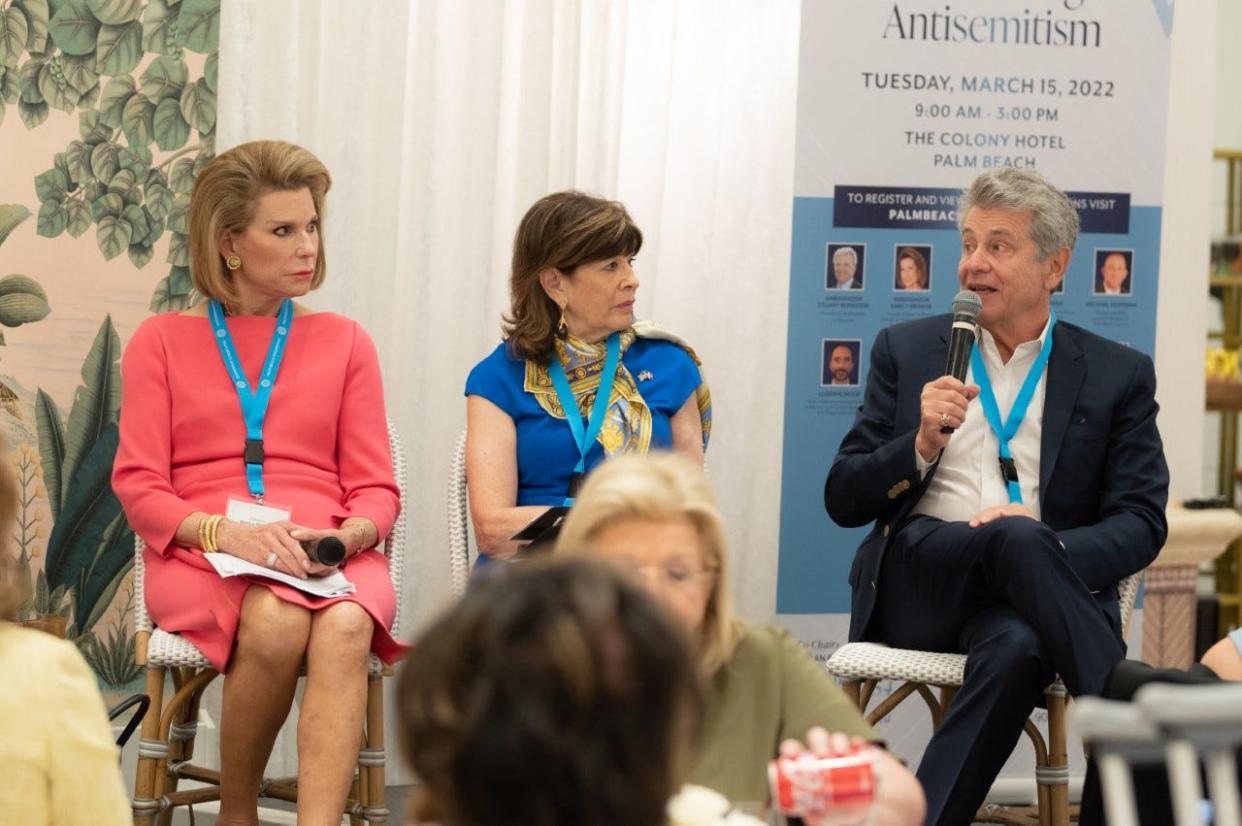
(182, 435)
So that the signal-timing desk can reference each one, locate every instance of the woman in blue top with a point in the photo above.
(570, 326)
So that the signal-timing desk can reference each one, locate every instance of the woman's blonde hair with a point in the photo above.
(14, 585)
(225, 196)
(658, 487)
(561, 231)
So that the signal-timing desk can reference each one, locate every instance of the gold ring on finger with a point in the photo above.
(944, 420)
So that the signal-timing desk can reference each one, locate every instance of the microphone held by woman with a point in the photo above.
(326, 550)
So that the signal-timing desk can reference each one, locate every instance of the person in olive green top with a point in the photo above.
(656, 516)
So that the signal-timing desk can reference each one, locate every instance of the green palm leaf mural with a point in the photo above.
(89, 549)
(140, 80)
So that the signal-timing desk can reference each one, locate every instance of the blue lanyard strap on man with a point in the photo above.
(585, 437)
(253, 402)
(1009, 470)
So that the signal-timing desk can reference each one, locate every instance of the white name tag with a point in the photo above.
(249, 512)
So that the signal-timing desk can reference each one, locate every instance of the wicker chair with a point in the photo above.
(459, 520)
(167, 743)
(862, 665)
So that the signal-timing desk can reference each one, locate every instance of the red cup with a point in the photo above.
(824, 788)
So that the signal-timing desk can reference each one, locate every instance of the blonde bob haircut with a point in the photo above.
(659, 487)
(560, 231)
(226, 194)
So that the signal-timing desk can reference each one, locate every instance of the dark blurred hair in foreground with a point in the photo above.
(554, 693)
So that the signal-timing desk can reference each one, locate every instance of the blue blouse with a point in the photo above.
(546, 451)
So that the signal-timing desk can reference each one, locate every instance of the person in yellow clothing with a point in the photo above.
(58, 763)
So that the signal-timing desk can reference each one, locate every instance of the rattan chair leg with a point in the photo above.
(189, 726)
(377, 809)
(150, 749)
(175, 710)
(891, 702)
(933, 705)
(180, 739)
(868, 688)
(947, 693)
(1058, 758)
(853, 690)
(360, 789)
(355, 803)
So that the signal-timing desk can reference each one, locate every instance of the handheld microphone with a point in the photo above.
(966, 307)
(327, 550)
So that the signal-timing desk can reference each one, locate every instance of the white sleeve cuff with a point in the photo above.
(921, 464)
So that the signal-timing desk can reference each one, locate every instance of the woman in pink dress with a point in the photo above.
(250, 424)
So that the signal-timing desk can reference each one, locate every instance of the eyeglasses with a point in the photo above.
(674, 576)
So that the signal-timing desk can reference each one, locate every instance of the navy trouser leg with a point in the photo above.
(937, 575)
(1006, 670)
(1005, 595)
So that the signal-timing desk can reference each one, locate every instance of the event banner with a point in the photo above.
(900, 106)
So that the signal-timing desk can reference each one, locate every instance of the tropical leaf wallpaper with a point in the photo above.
(107, 113)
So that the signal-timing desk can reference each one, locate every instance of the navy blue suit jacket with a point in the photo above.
(1102, 474)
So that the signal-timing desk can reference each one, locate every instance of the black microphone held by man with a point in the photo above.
(966, 307)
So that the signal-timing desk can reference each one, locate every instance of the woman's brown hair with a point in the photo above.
(562, 231)
(920, 264)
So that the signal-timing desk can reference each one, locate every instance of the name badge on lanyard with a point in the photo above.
(253, 402)
(585, 437)
(987, 397)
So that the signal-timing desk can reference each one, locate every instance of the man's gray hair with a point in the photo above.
(843, 251)
(1054, 221)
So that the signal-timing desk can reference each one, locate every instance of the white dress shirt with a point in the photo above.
(968, 478)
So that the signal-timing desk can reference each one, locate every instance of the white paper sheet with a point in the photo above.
(333, 585)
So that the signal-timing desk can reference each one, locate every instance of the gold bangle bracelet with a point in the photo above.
(207, 533)
(212, 530)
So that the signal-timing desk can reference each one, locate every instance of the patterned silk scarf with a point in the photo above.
(627, 426)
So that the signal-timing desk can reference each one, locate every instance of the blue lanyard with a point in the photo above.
(1009, 470)
(253, 403)
(599, 411)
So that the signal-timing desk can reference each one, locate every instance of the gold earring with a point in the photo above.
(233, 262)
(562, 329)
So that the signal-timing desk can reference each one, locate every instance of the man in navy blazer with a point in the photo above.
(1015, 563)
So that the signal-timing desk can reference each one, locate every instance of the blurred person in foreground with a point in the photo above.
(250, 424)
(59, 765)
(570, 331)
(1222, 661)
(656, 518)
(555, 693)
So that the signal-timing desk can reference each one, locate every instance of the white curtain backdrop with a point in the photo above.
(443, 120)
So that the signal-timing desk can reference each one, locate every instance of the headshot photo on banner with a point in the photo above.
(950, 93)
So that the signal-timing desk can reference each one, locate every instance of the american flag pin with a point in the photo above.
(645, 375)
